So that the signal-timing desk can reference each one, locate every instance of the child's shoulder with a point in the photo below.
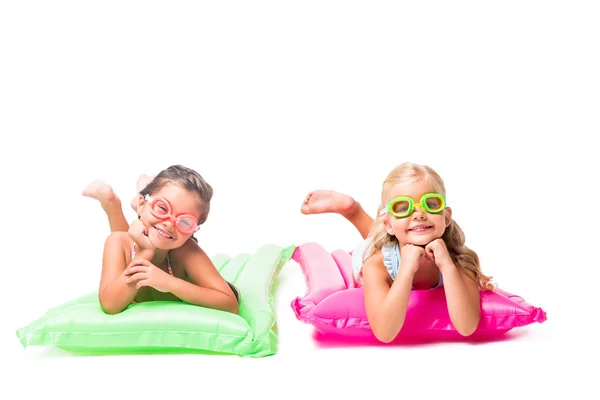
(189, 247)
(376, 259)
(374, 267)
(121, 239)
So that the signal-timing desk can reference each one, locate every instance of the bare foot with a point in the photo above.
(329, 201)
(102, 192)
(110, 203)
(142, 182)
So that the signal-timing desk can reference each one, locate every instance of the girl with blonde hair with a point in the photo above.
(413, 244)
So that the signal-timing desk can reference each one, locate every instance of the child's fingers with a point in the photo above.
(430, 252)
(139, 261)
(135, 268)
(141, 283)
(132, 269)
(136, 277)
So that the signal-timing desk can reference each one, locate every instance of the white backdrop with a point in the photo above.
(269, 100)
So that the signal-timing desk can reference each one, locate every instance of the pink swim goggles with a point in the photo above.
(161, 208)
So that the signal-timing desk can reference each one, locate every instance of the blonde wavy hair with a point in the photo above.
(454, 237)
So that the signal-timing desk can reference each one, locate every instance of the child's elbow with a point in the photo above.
(384, 334)
(228, 304)
(383, 328)
(111, 310)
(467, 331)
(109, 307)
(233, 308)
(385, 337)
(469, 328)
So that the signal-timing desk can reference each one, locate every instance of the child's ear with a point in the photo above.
(384, 216)
(387, 225)
(447, 216)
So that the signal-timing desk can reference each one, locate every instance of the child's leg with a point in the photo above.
(110, 203)
(328, 201)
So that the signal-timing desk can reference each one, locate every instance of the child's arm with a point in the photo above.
(208, 289)
(385, 302)
(462, 292)
(462, 296)
(115, 294)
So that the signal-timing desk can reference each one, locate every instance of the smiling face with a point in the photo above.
(180, 202)
(420, 227)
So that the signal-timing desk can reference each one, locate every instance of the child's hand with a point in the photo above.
(438, 252)
(410, 255)
(144, 273)
(139, 233)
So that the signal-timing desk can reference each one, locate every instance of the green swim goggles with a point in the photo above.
(403, 206)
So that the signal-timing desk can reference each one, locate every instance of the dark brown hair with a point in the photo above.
(186, 178)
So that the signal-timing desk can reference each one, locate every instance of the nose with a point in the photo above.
(418, 213)
(170, 222)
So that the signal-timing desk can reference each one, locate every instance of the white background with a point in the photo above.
(269, 100)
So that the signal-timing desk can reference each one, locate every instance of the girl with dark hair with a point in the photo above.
(156, 257)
